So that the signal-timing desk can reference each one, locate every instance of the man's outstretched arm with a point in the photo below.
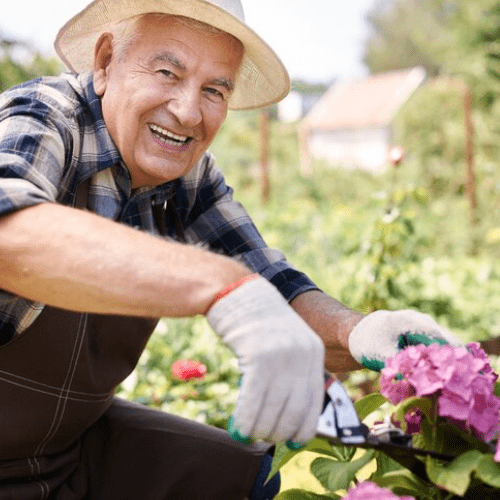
(353, 340)
(80, 261)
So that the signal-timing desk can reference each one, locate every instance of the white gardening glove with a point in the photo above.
(382, 334)
(281, 359)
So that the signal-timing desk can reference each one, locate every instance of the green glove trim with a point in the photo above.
(235, 434)
(372, 364)
(294, 445)
(408, 339)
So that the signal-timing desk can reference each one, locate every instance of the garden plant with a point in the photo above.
(444, 398)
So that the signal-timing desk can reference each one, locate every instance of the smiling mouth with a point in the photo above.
(168, 138)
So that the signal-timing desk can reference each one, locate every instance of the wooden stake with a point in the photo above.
(469, 153)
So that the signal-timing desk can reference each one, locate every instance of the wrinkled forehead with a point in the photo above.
(155, 35)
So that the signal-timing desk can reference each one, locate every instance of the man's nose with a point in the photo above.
(185, 105)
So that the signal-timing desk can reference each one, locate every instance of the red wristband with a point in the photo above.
(229, 288)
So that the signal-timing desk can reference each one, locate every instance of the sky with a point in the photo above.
(318, 40)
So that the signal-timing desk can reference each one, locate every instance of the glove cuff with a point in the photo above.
(229, 288)
(252, 301)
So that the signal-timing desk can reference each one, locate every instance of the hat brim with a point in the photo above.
(262, 79)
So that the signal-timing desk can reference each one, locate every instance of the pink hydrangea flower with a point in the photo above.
(371, 491)
(479, 353)
(424, 378)
(453, 405)
(485, 408)
(394, 386)
(461, 379)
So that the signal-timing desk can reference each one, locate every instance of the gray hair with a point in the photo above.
(127, 31)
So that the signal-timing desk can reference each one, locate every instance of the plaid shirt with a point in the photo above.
(53, 138)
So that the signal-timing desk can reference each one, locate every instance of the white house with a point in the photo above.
(350, 126)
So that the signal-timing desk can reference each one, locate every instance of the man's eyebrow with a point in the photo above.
(224, 82)
(170, 58)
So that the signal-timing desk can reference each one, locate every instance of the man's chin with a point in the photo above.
(157, 175)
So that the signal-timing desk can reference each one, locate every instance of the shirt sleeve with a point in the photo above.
(221, 222)
(32, 151)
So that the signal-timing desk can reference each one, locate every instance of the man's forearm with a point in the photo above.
(80, 261)
(333, 322)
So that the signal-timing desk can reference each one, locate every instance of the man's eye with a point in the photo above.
(215, 94)
(167, 73)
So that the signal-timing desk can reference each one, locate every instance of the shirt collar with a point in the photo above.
(107, 152)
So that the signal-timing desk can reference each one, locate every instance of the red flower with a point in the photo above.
(184, 369)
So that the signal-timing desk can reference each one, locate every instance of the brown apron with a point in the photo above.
(64, 436)
(56, 380)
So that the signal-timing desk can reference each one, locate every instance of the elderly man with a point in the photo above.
(106, 192)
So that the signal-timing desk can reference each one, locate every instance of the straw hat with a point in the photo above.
(261, 81)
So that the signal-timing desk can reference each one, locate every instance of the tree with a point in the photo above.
(405, 33)
(459, 39)
(444, 36)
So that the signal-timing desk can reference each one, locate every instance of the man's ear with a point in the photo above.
(103, 55)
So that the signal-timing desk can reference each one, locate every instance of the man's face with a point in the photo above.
(165, 99)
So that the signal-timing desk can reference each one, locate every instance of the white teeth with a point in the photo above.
(168, 135)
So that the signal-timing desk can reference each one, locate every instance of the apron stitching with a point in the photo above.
(35, 383)
(40, 483)
(100, 400)
(59, 412)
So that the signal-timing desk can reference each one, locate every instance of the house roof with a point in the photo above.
(366, 103)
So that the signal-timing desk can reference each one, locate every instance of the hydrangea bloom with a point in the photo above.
(461, 378)
(413, 419)
(371, 491)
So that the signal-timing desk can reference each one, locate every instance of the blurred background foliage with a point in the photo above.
(20, 61)
(401, 239)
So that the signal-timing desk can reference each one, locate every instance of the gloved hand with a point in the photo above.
(382, 334)
(281, 359)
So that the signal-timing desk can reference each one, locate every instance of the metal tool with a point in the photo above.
(340, 424)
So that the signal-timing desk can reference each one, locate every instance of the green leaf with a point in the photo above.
(403, 482)
(343, 453)
(323, 447)
(456, 441)
(448, 439)
(296, 494)
(385, 464)
(456, 476)
(282, 454)
(425, 439)
(335, 475)
(496, 389)
(410, 228)
(488, 471)
(368, 404)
